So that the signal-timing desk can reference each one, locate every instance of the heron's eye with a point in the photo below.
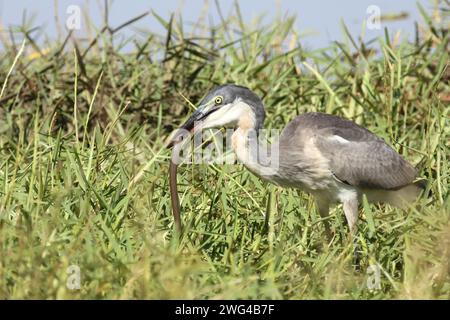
(218, 100)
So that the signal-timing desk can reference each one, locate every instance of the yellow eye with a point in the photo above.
(218, 100)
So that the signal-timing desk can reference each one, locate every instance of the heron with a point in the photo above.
(332, 158)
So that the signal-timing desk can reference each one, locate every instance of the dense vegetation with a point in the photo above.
(83, 167)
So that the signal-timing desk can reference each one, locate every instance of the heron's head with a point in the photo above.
(227, 105)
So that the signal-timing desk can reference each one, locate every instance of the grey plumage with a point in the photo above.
(365, 161)
(337, 160)
(232, 92)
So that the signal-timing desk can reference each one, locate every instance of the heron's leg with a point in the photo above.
(324, 209)
(351, 212)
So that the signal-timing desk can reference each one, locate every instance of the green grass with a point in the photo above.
(84, 171)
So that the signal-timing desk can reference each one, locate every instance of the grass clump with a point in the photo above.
(83, 168)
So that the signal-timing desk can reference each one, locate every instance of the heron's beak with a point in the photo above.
(195, 117)
(193, 123)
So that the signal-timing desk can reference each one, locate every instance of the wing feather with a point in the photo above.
(356, 156)
(369, 164)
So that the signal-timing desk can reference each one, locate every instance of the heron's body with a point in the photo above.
(337, 161)
(333, 159)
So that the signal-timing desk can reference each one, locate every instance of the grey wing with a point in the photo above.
(360, 158)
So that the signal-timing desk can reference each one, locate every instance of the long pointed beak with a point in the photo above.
(196, 116)
(189, 125)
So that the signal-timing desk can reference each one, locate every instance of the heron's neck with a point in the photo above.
(254, 155)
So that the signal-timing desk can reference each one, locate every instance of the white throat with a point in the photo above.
(248, 149)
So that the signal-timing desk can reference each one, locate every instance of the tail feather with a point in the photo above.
(422, 184)
(400, 198)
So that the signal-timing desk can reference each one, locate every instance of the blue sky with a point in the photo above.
(319, 20)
